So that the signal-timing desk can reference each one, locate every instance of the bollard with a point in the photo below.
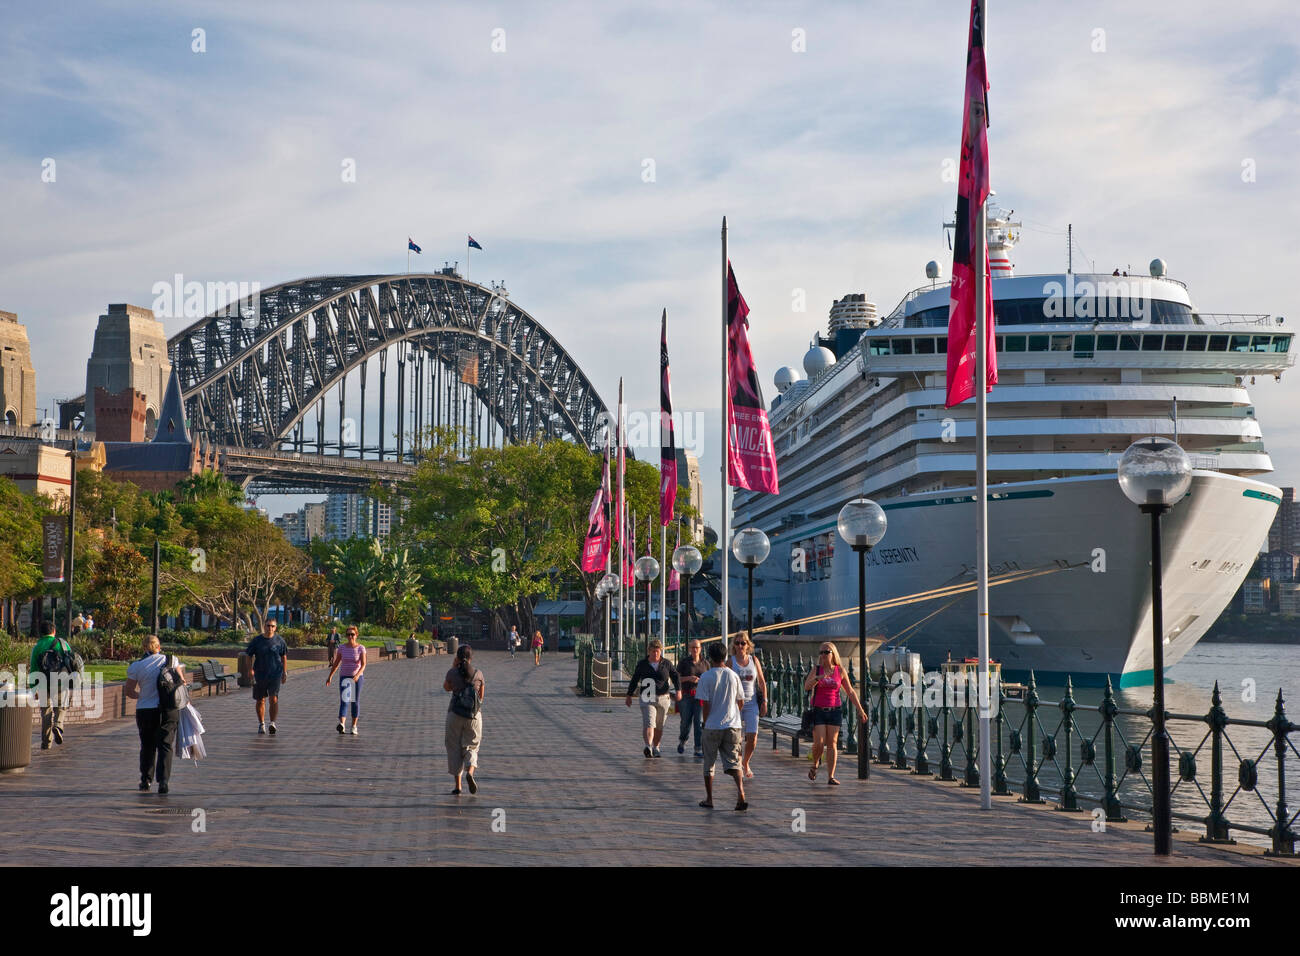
(1032, 792)
(1000, 762)
(1114, 812)
(1069, 795)
(900, 751)
(882, 732)
(945, 750)
(1216, 824)
(1283, 836)
(922, 733)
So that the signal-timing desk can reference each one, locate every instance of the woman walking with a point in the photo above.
(350, 661)
(538, 641)
(827, 681)
(155, 719)
(750, 672)
(464, 719)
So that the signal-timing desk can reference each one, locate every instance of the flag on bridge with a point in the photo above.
(667, 441)
(968, 281)
(473, 243)
(411, 246)
(751, 458)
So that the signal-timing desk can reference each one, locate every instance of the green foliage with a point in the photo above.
(20, 541)
(373, 584)
(118, 587)
(13, 654)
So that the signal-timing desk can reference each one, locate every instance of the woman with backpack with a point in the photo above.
(464, 719)
(156, 718)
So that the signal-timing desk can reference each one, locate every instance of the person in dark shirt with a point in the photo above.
(651, 680)
(267, 651)
(689, 669)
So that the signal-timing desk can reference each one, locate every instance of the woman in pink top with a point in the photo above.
(537, 648)
(827, 681)
(350, 661)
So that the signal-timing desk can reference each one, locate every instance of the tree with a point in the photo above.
(119, 586)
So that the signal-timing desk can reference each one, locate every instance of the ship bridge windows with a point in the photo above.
(1151, 343)
(1107, 343)
(1038, 343)
(1218, 343)
(1080, 308)
(1129, 343)
(1196, 343)
(1241, 343)
(1174, 343)
(1281, 343)
(925, 347)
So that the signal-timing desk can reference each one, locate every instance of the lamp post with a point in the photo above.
(606, 588)
(1154, 474)
(687, 561)
(751, 547)
(862, 524)
(647, 569)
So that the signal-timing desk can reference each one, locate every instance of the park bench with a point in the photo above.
(391, 650)
(213, 673)
(786, 726)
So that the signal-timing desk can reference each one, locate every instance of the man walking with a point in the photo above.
(51, 658)
(267, 651)
(721, 695)
(690, 669)
(651, 680)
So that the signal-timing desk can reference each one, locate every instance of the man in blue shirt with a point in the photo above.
(267, 651)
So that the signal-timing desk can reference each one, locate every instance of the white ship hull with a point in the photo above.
(1088, 615)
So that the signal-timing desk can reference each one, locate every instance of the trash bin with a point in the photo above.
(17, 711)
(412, 647)
(245, 667)
(453, 644)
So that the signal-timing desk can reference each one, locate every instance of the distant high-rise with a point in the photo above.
(1284, 535)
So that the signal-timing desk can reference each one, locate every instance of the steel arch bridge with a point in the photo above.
(255, 371)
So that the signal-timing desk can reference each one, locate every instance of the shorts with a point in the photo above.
(724, 743)
(828, 716)
(749, 714)
(266, 688)
(655, 712)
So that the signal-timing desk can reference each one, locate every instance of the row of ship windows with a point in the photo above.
(1085, 345)
(1086, 308)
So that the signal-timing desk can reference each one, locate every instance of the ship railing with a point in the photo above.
(1229, 776)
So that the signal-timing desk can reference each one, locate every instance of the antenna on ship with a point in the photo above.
(1069, 248)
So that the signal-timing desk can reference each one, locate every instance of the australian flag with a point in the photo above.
(473, 243)
(412, 246)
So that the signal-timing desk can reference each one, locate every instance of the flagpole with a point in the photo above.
(622, 533)
(609, 551)
(982, 485)
(663, 584)
(724, 538)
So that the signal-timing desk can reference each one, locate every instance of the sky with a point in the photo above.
(593, 149)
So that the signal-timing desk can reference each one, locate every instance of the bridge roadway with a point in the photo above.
(562, 778)
(266, 471)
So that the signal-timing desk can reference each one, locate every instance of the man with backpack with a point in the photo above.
(51, 657)
(464, 730)
(159, 687)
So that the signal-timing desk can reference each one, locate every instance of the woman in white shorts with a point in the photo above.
(750, 672)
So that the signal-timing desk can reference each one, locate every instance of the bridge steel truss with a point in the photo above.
(250, 376)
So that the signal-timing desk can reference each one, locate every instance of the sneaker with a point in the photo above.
(355, 732)
(657, 753)
(681, 747)
(339, 728)
(699, 754)
(646, 751)
(261, 728)
(58, 736)
(271, 729)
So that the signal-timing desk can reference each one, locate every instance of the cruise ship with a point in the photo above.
(1087, 364)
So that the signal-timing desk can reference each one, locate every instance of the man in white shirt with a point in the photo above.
(721, 695)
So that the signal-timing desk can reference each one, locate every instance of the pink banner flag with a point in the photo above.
(667, 440)
(972, 191)
(596, 547)
(751, 458)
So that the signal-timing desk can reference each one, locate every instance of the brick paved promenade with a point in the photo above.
(565, 775)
